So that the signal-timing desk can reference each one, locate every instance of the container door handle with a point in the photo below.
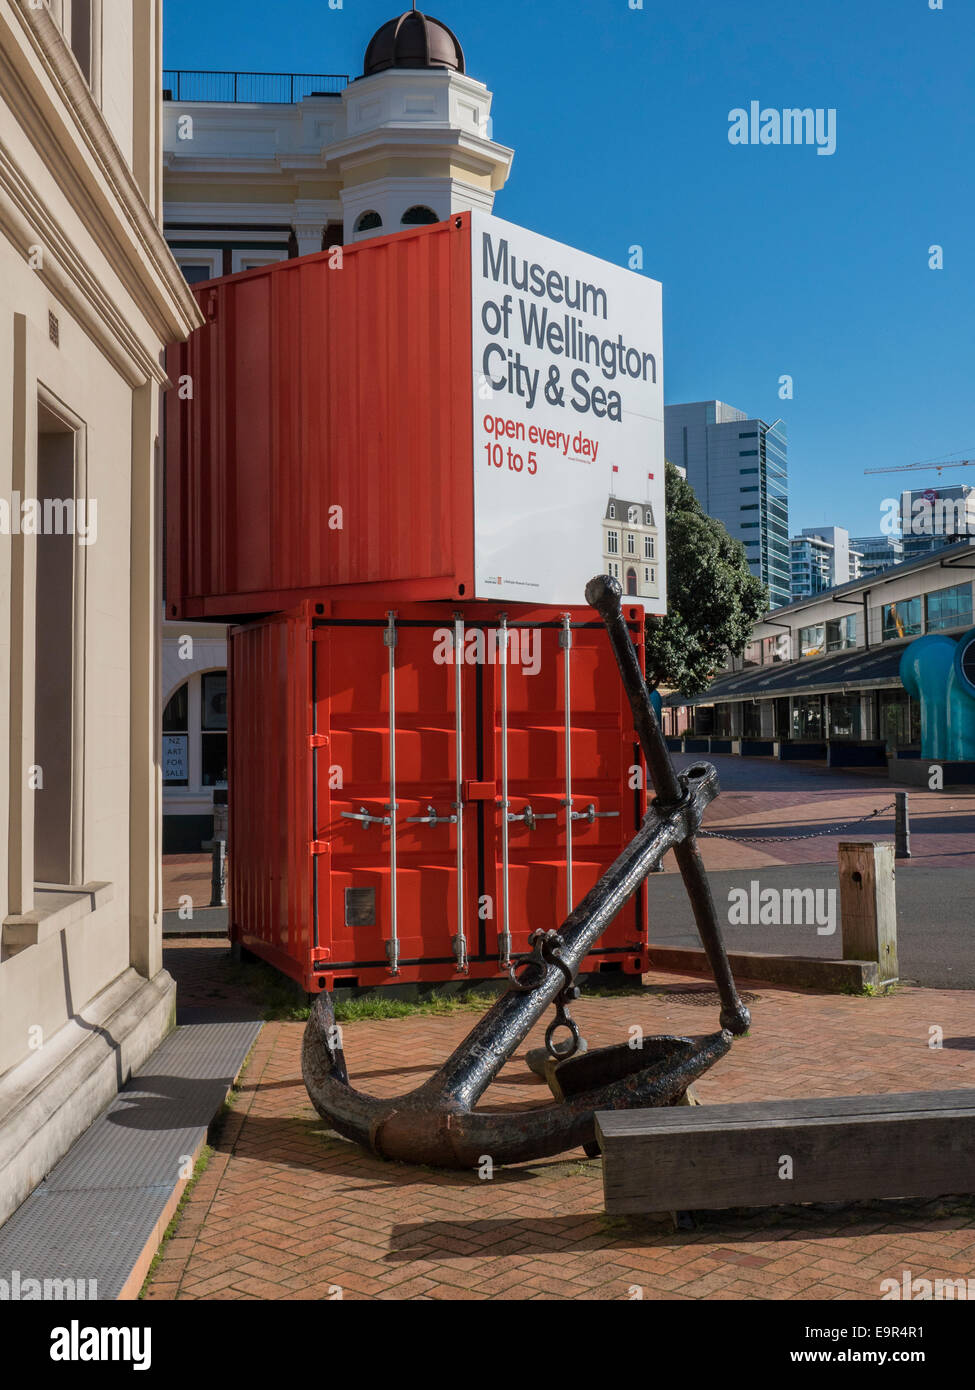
(590, 814)
(363, 815)
(431, 818)
(531, 817)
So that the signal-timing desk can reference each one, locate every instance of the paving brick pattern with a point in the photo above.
(287, 1209)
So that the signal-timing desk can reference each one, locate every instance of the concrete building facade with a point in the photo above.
(89, 297)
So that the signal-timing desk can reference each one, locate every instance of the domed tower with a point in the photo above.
(418, 141)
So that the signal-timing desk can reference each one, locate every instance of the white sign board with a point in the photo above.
(568, 422)
(175, 758)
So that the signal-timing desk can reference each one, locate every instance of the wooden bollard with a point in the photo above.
(868, 905)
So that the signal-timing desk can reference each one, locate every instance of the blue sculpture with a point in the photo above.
(939, 673)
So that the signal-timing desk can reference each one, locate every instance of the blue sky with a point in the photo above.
(775, 260)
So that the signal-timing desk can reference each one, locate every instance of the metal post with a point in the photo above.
(460, 940)
(565, 637)
(392, 945)
(902, 827)
(504, 935)
(218, 874)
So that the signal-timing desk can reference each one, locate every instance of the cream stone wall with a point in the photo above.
(89, 297)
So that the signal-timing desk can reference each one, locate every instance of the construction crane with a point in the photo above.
(911, 467)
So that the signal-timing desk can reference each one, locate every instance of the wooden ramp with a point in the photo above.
(772, 1153)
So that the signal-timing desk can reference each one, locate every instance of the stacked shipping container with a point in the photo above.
(417, 781)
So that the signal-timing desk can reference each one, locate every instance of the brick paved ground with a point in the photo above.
(287, 1209)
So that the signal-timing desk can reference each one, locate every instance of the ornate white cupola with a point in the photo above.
(417, 143)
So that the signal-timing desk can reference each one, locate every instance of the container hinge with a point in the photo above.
(363, 815)
(318, 740)
(319, 847)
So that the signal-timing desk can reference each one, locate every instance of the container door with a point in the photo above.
(397, 871)
(555, 729)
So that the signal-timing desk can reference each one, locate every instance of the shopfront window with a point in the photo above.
(948, 608)
(783, 722)
(812, 640)
(807, 717)
(841, 633)
(751, 719)
(900, 719)
(901, 619)
(844, 717)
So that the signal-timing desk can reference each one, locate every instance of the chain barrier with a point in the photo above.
(806, 835)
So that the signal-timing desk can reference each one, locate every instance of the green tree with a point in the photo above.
(713, 599)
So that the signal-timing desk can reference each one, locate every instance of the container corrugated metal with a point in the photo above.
(323, 874)
(312, 388)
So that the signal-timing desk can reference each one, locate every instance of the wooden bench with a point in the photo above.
(837, 1148)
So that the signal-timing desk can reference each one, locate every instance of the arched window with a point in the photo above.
(368, 222)
(419, 216)
(194, 733)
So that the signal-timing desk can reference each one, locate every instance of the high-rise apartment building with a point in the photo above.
(738, 467)
(822, 558)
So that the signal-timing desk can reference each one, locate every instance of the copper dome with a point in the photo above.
(414, 40)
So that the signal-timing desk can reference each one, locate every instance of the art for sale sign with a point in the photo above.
(568, 421)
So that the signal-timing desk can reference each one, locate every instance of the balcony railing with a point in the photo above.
(179, 84)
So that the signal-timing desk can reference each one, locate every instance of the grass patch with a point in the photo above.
(202, 1163)
(436, 1005)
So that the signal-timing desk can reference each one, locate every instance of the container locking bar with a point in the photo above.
(392, 945)
(565, 642)
(504, 935)
(460, 939)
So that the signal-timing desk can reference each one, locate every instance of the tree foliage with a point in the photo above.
(713, 599)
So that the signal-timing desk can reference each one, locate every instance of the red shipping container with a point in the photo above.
(315, 388)
(322, 433)
(347, 862)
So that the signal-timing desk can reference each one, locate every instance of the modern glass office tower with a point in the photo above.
(738, 466)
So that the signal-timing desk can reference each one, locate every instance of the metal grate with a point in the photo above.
(703, 998)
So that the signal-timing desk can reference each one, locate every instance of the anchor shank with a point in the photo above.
(604, 594)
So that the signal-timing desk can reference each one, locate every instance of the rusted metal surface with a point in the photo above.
(437, 1123)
